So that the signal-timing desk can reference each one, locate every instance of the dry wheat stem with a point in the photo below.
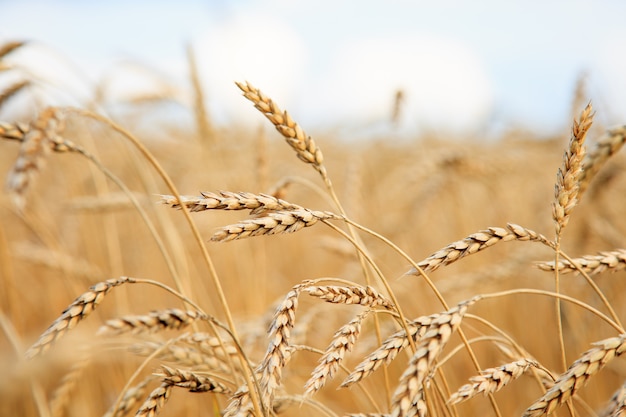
(275, 222)
(591, 264)
(155, 401)
(192, 381)
(566, 385)
(409, 396)
(227, 200)
(475, 243)
(170, 319)
(604, 148)
(74, 313)
(492, 380)
(305, 147)
(342, 342)
(568, 176)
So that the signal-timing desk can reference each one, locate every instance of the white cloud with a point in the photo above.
(255, 48)
(443, 82)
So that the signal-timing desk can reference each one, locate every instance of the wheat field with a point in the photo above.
(207, 270)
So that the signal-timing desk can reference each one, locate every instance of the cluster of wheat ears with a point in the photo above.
(415, 361)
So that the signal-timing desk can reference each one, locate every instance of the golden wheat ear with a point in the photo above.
(82, 306)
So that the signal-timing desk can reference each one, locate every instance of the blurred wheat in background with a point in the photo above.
(165, 266)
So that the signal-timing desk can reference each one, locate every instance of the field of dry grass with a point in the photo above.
(270, 272)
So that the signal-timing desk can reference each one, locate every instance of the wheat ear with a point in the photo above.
(604, 148)
(568, 176)
(617, 404)
(591, 264)
(192, 381)
(389, 349)
(131, 397)
(567, 384)
(342, 342)
(276, 222)
(477, 242)
(409, 396)
(492, 380)
(170, 319)
(305, 147)
(366, 296)
(227, 200)
(74, 313)
(155, 401)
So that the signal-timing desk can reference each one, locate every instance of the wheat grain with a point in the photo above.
(366, 296)
(577, 375)
(74, 313)
(492, 380)
(170, 319)
(475, 243)
(272, 223)
(568, 176)
(342, 342)
(408, 398)
(591, 264)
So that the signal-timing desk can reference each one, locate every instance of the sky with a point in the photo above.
(462, 66)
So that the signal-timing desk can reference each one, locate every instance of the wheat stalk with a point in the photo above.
(477, 242)
(74, 313)
(272, 223)
(492, 380)
(591, 264)
(170, 319)
(576, 376)
(409, 395)
(342, 342)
